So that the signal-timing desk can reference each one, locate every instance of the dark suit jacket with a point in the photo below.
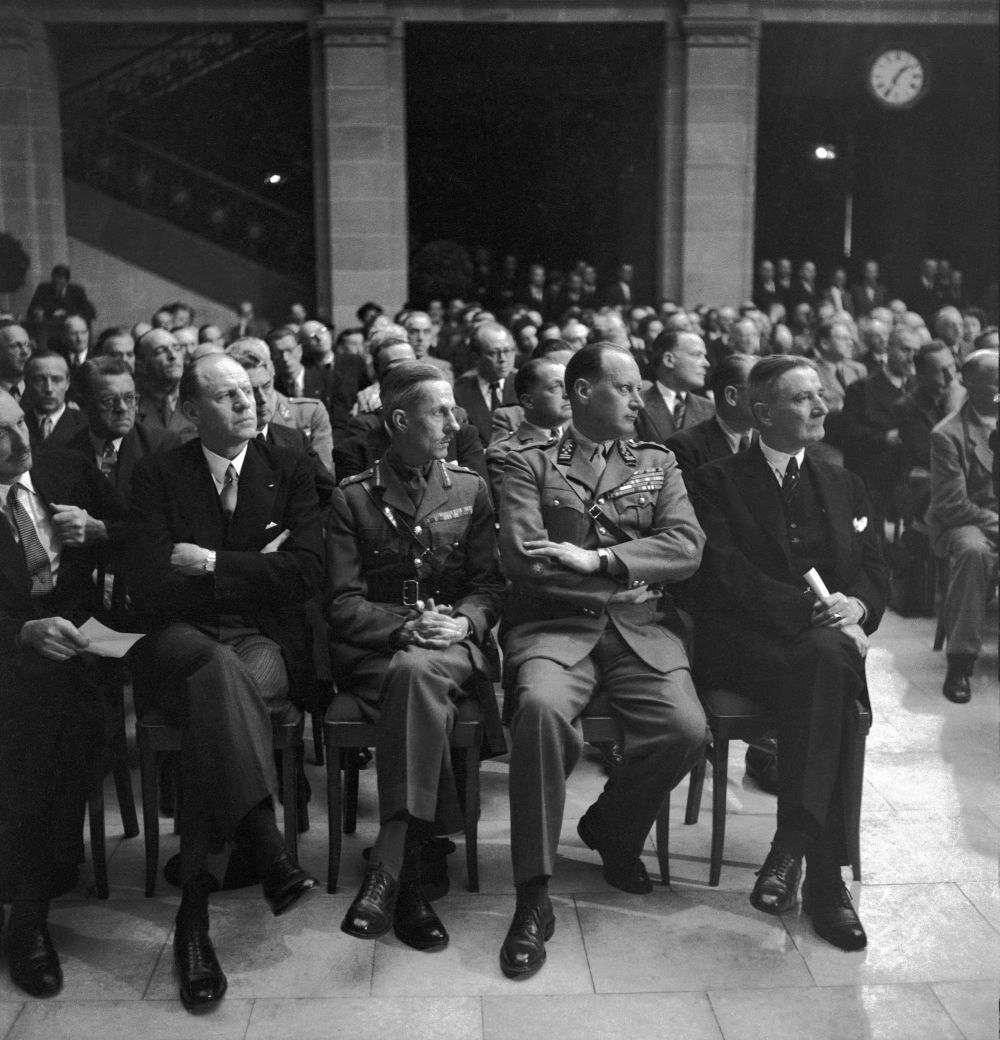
(695, 445)
(139, 442)
(863, 306)
(349, 376)
(174, 500)
(369, 440)
(656, 423)
(869, 413)
(316, 382)
(746, 597)
(916, 415)
(255, 327)
(147, 413)
(70, 422)
(467, 395)
(290, 439)
(614, 295)
(73, 302)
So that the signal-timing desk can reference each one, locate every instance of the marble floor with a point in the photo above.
(687, 962)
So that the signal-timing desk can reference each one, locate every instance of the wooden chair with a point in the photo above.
(154, 735)
(346, 730)
(732, 716)
(601, 727)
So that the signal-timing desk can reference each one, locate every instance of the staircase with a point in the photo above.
(115, 143)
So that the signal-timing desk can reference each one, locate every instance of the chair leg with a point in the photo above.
(126, 799)
(150, 812)
(855, 782)
(333, 810)
(472, 816)
(696, 787)
(317, 728)
(720, 770)
(289, 794)
(351, 782)
(663, 841)
(98, 849)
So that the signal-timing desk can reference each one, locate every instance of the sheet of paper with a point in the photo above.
(816, 583)
(106, 642)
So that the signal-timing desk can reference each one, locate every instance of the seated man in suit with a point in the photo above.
(52, 423)
(542, 393)
(833, 351)
(56, 511)
(771, 514)
(591, 527)
(680, 365)
(413, 591)
(962, 518)
(334, 379)
(482, 391)
(159, 365)
(112, 438)
(226, 545)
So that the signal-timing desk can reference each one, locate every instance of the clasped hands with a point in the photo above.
(436, 627)
(585, 561)
(73, 525)
(188, 558)
(845, 613)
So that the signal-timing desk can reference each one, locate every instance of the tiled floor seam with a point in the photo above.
(972, 903)
(930, 986)
(17, 1018)
(583, 938)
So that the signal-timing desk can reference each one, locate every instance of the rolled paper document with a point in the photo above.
(816, 583)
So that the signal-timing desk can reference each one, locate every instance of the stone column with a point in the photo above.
(670, 174)
(32, 197)
(360, 138)
(718, 143)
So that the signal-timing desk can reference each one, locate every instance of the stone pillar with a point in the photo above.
(32, 197)
(359, 117)
(670, 173)
(719, 83)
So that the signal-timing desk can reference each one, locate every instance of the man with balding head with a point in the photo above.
(962, 518)
(15, 349)
(491, 384)
(226, 547)
(159, 365)
(680, 365)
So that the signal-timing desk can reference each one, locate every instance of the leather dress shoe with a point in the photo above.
(34, 963)
(777, 883)
(762, 768)
(612, 754)
(415, 922)
(202, 982)
(957, 687)
(621, 868)
(371, 914)
(285, 883)
(523, 950)
(834, 918)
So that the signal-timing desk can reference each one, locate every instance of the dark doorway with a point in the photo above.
(536, 140)
(924, 179)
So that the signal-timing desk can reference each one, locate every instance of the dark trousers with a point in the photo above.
(665, 733)
(222, 690)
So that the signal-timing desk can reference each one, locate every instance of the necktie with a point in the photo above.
(35, 556)
(790, 483)
(227, 499)
(415, 485)
(745, 441)
(680, 410)
(166, 411)
(109, 461)
(495, 401)
(46, 428)
(599, 460)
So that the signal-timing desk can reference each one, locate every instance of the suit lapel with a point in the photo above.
(195, 488)
(13, 569)
(762, 495)
(394, 493)
(839, 516)
(257, 489)
(977, 439)
(656, 411)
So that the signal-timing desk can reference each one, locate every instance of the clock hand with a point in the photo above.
(895, 79)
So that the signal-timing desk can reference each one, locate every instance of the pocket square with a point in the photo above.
(273, 524)
(860, 523)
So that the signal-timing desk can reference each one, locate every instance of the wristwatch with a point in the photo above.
(605, 561)
(209, 564)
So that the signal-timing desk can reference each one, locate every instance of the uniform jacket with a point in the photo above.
(174, 500)
(310, 416)
(962, 491)
(521, 436)
(556, 613)
(656, 422)
(147, 412)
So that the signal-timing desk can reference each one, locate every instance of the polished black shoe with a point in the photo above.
(621, 868)
(833, 915)
(370, 915)
(612, 755)
(285, 883)
(415, 922)
(762, 768)
(34, 963)
(957, 685)
(202, 982)
(523, 950)
(777, 883)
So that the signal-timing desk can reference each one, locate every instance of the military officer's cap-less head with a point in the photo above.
(605, 391)
(419, 409)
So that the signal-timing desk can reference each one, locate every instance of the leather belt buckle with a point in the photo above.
(411, 592)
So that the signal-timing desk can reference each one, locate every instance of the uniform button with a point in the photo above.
(416, 563)
(555, 501)
(642, 500)
(418, 529)
(601, 530)
(636, 584)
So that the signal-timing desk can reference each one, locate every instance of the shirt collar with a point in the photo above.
(733, 436)
(53, 416)
(669, 394)
(778, 460)
(24, 480)
(588, 447)
(485, 384)
(99, 443)
(218, 464)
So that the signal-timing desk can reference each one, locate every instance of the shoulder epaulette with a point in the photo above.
(305, 400)
(456, 467)
(533, 446)
(647, 444)
(357, 478)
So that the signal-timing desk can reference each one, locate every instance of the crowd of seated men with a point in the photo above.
(608, 491)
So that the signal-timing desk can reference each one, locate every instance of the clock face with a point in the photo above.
(897, 78)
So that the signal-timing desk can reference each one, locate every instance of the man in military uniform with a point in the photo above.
(414, 589)
(591, 528)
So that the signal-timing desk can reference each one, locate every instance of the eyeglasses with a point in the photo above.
(113, 401)
(498, 355)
